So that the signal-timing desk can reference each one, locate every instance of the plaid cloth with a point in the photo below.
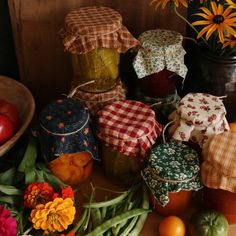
(95, 101)
(129, 127)
(219, 167)
(95, 27)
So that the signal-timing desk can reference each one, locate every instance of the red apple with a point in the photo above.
(6, 128)
(11, 112)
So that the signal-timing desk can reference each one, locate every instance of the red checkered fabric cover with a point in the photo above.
(95, 101)
(95, 27)
(219, 167)
(129, 127)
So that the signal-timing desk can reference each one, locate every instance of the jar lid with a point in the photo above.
(129, 127)
(219, 167)
(63, 116)
(201, 109)
(172, 167)
(95, 101)
(95, 27)
(160, 49)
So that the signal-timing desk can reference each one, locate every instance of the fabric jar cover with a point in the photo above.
(172, 167)
(65, 128)
(160, 49)
(95, 101)
(129, 127)
(218, 169)
(95, 27)
(198, 117)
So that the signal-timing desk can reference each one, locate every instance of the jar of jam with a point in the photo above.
(67, 141)
(95, 37)
(159, 62)
(218, 172)
(172, 174)
(127, 130)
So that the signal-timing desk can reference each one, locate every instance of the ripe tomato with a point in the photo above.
(11, 112)
(172, 226)
(6, 128)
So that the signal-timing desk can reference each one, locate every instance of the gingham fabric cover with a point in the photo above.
(95, 27)
(129, 127)
(172, 167)
(198, 117)
(160, 49)
(95, 101)
(218, 170)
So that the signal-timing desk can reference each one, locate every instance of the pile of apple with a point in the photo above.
(9, 120)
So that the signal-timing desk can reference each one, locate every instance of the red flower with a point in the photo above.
(69, 234)
(37, 193)
(67, 192)
(8, 225)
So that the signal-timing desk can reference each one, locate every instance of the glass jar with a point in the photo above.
(67, 141)
(127, 130)
(172, 174)
(95, 37)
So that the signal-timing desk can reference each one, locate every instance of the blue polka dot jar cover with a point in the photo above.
(65, 127)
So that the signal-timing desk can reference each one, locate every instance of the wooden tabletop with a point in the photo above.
(99, 179)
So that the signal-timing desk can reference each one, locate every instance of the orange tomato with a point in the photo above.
(232, 126)
(171, 226)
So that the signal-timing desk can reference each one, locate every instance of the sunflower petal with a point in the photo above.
(210, 31)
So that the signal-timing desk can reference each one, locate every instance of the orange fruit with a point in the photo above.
(232, 126)
(172, 226)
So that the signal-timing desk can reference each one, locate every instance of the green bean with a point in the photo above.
(130, 226)
(78, 225)
(96, 217)
(116, 220)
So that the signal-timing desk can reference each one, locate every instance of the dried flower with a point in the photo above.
(8, 225)
(37, 193)
(54, 216)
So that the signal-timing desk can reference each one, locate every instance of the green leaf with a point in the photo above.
(29, 159)
(7, 199)
(9, 190)
(30, 176)
(8, 176)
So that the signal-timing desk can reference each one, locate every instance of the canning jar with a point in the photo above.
(198, 117)
(67, 141)
(159, 62)
(172, 174)
(95, 37)
(127, 130)
(218, 172)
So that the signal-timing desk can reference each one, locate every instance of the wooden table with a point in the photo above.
(99, 179)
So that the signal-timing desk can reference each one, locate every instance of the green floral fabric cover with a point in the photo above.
(160, 49)
(172, 167)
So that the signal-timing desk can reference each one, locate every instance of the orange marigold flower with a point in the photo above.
(37, 193)
(67, 192)
(54, 216)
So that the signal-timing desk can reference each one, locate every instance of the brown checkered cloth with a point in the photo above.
(219, 167)
(95, 27)
(129, 127)
(95, 101)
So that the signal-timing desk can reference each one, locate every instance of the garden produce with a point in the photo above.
(232, 126)
(172, 226)
(6, 128)
(208, 223)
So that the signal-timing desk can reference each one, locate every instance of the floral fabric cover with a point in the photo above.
(95, 27)
(218, 169)
(95, 101)
(198, 117)
(129, 127)
(172, 167)
(160, 49)
(65, 128)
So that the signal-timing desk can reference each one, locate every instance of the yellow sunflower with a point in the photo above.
(163, 3)
(231, 3)
(217, 19)
(230, 40)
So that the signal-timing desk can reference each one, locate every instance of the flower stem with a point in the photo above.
(28, 230)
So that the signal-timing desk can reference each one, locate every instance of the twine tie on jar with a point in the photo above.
(72, 93)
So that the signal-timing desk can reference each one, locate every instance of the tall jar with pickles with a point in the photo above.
(95, 37)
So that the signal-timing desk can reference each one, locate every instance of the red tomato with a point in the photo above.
(6, 128)
(11, 112)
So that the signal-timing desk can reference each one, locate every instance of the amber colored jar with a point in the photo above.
(123, 170)
(178, 203)
(222, 201)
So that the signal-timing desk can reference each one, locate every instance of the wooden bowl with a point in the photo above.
(17, 94)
